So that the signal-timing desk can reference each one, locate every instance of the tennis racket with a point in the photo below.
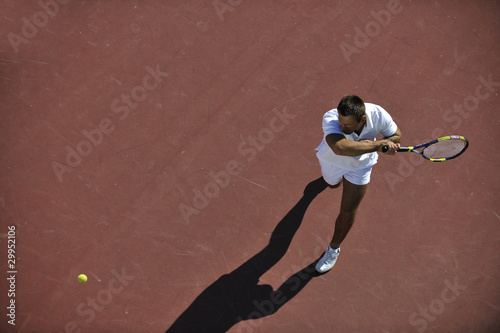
(439, 150)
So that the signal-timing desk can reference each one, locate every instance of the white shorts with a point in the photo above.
(333, 174)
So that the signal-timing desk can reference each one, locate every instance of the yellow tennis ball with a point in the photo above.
(82, 278)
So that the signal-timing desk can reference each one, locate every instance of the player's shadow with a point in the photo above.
(238, 296)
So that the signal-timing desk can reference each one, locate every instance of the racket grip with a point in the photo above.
(385, 148)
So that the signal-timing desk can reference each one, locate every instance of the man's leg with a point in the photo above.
(352, 195)
(351, 198)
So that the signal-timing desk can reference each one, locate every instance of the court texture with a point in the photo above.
(166, 150)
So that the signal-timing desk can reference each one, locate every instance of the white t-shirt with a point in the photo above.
(377, 121)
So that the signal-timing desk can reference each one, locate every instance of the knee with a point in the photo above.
(348, 214)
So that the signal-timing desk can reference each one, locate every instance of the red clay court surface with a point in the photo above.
(162, 148)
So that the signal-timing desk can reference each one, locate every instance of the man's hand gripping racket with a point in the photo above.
(439, 150)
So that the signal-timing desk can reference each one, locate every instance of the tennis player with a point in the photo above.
(347, 154)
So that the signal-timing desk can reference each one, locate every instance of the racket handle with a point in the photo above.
(385, 148)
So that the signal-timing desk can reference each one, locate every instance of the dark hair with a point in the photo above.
(351, 105)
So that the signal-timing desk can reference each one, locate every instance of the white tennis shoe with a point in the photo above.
(328, 260)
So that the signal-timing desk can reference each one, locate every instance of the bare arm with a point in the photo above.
(395, 138)
(341, 146)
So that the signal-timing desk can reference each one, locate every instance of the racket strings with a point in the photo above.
(444, 149)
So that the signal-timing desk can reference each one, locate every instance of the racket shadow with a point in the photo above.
(238, 296)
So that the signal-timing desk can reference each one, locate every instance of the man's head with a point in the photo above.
(352, 116)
